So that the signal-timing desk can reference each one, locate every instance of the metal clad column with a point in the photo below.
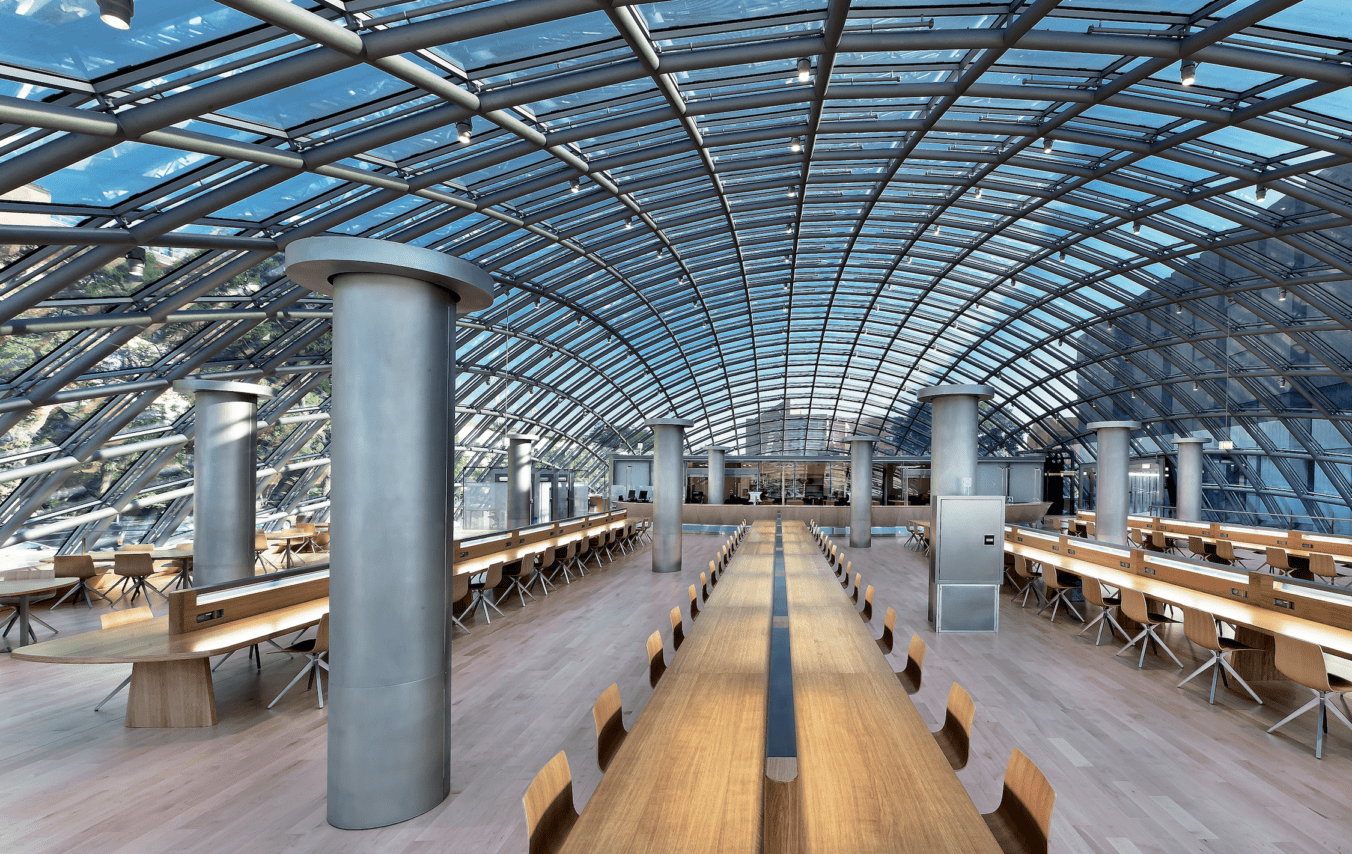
(1114, 458)
(718, 467)
(861, 490)
(668, 491)
(953, 436)
(225, 466)
(519, 479)
(393, 384)
(1189, 479)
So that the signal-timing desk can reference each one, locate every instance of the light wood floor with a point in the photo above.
(1138, 765)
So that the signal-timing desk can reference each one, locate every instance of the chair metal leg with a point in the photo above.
(124, 683)
(456, 620)
(309, 665)
(1231, 670)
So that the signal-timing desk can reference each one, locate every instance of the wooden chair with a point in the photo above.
(525, 569)
(1303, 662)
(955, 736)
(1200, 627)
(1051, 579)
(1023, 568)
(677, 629)
(569, 558)
(550, 814)
(133, 568)
(889, 627)
(583, 548)
(1277, 560)
(1323, 568)
(459, 593)
(657, 665)
(867, 613)
(1224, 553)
(1135, 607)
(541, 574)
(610, 732)
(114, 619)
(1197, 546)
(694, 603)
(912, 534)
(911, 675)
(858, 579)
(492, 577)
(320, 541)
(704, 587)
(261, 552)
(1107, 605)
(1023, 820)
(1155, 541)
(81, 567)
(314, 649)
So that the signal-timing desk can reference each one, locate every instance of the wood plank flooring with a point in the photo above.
(1138, 765)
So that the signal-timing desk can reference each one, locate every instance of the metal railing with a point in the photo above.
(1269, 519)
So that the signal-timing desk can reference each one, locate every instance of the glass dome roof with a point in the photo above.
(741, 212)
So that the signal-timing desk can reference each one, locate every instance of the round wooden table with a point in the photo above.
(24, 590)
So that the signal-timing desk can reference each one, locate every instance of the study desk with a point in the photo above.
(515, 552)
(24, 590)
(171, 674)
(688, 777)
(1229, 609)
(292, 541)
(871, 776)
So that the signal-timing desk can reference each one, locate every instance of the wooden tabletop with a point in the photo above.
(872, 778)
(1230, 610)
(290, 534)
(150, 640)
(29, 586)
(688, 778)
(475, 565)
(157, 554)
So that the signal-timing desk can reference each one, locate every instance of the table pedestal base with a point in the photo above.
(171, 694)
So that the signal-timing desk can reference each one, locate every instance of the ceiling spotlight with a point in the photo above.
(1187, 72)
(1281, 294)
(1063, 254)
(628, 223)
(1196, 387)
(1260, 193)
(1046, 145)
(661, 250)
(1178, 308)
(579, 320)
(574, 185)
(804, 70)
(978, 192)
(1135, 228)
(464, 131)
(136, 262)
(1111, 327)
(116, 13)
(788, 259)
(793, 192)
(788, 229)
(796, 144)
(938, 231)
(1282, 382)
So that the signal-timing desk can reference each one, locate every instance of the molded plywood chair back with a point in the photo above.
(1022, 822)
(657, 665)
(955, 736)
(550, 814)
(608, 713)
(910, 676)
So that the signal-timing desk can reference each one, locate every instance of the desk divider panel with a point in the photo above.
(187, 614)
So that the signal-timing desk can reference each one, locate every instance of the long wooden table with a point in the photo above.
(171, 674)
(688, 778)
(872, 777)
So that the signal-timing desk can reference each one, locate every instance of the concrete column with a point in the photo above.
(519, 479)
(861, 490)
(1189, 483)
(394, 307)
(718, 467)
(953, 436)
(225, 465)
(668, 491)
(1114, 458)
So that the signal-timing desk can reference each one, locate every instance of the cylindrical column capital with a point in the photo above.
(1189, 482)
(861, 489)
(931, 393)
(668, 491)
(225, 488)
(1114, 460)
(717, 473)
(394, 309)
